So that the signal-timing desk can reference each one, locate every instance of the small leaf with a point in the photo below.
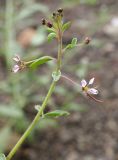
(66, 26)
(40, 61)
(74, 41)
(51, 36)
(50, 30)
(56, 113)
(69, 46)
(56, 75)
(2, 156)
(72, 44)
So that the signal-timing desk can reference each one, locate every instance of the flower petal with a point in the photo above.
(15, 68)
(92, 91)
(83, 83)
(16, 58)
(91, 81)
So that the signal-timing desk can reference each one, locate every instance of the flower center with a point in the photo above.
(85, 88)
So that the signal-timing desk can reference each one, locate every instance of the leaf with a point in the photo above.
(69, 46)
(40, 61)
(66, 26)
(51, 36)
(2, 156)
(56, 113)
(50, 30)
(74, 41)
(72, 44)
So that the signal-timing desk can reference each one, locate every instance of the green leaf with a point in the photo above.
(2, 156)
(72, 44)
(69, 46)
(56, 75)
(40, 61)
(56, 113)
(74, 41)
(51, 36)
(66, 26)
(51, 30)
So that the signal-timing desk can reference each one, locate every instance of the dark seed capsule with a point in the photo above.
(43, 22)
(60, 10)
(87, 40)
(49, 24)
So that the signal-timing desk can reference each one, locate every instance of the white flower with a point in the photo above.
(19, 64)
(15, 68)
(16, 58)
(85, 87)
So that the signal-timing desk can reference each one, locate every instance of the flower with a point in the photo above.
(16, 58)
(16, 68)
(19, 64)
(85, 87)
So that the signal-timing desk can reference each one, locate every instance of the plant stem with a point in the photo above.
(69, 79)
(59, 47)
(39, 114)
(34, 122)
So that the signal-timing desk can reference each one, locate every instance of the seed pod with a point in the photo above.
(87, 40)
(60, 10)
(49, 25)
(43, 22)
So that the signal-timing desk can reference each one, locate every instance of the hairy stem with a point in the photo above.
(33, 124)
(51, 89)
(59, 47)
(69, 79)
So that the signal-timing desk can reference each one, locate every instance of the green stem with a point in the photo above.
(34, 122)
(39, 114)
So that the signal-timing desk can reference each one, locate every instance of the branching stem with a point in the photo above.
(50, 91)
(34, 122)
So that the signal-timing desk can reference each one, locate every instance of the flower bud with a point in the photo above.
(43, 22)
(49, 24)
(60, 10)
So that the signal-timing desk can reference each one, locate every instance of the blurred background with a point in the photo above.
(91, 130)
